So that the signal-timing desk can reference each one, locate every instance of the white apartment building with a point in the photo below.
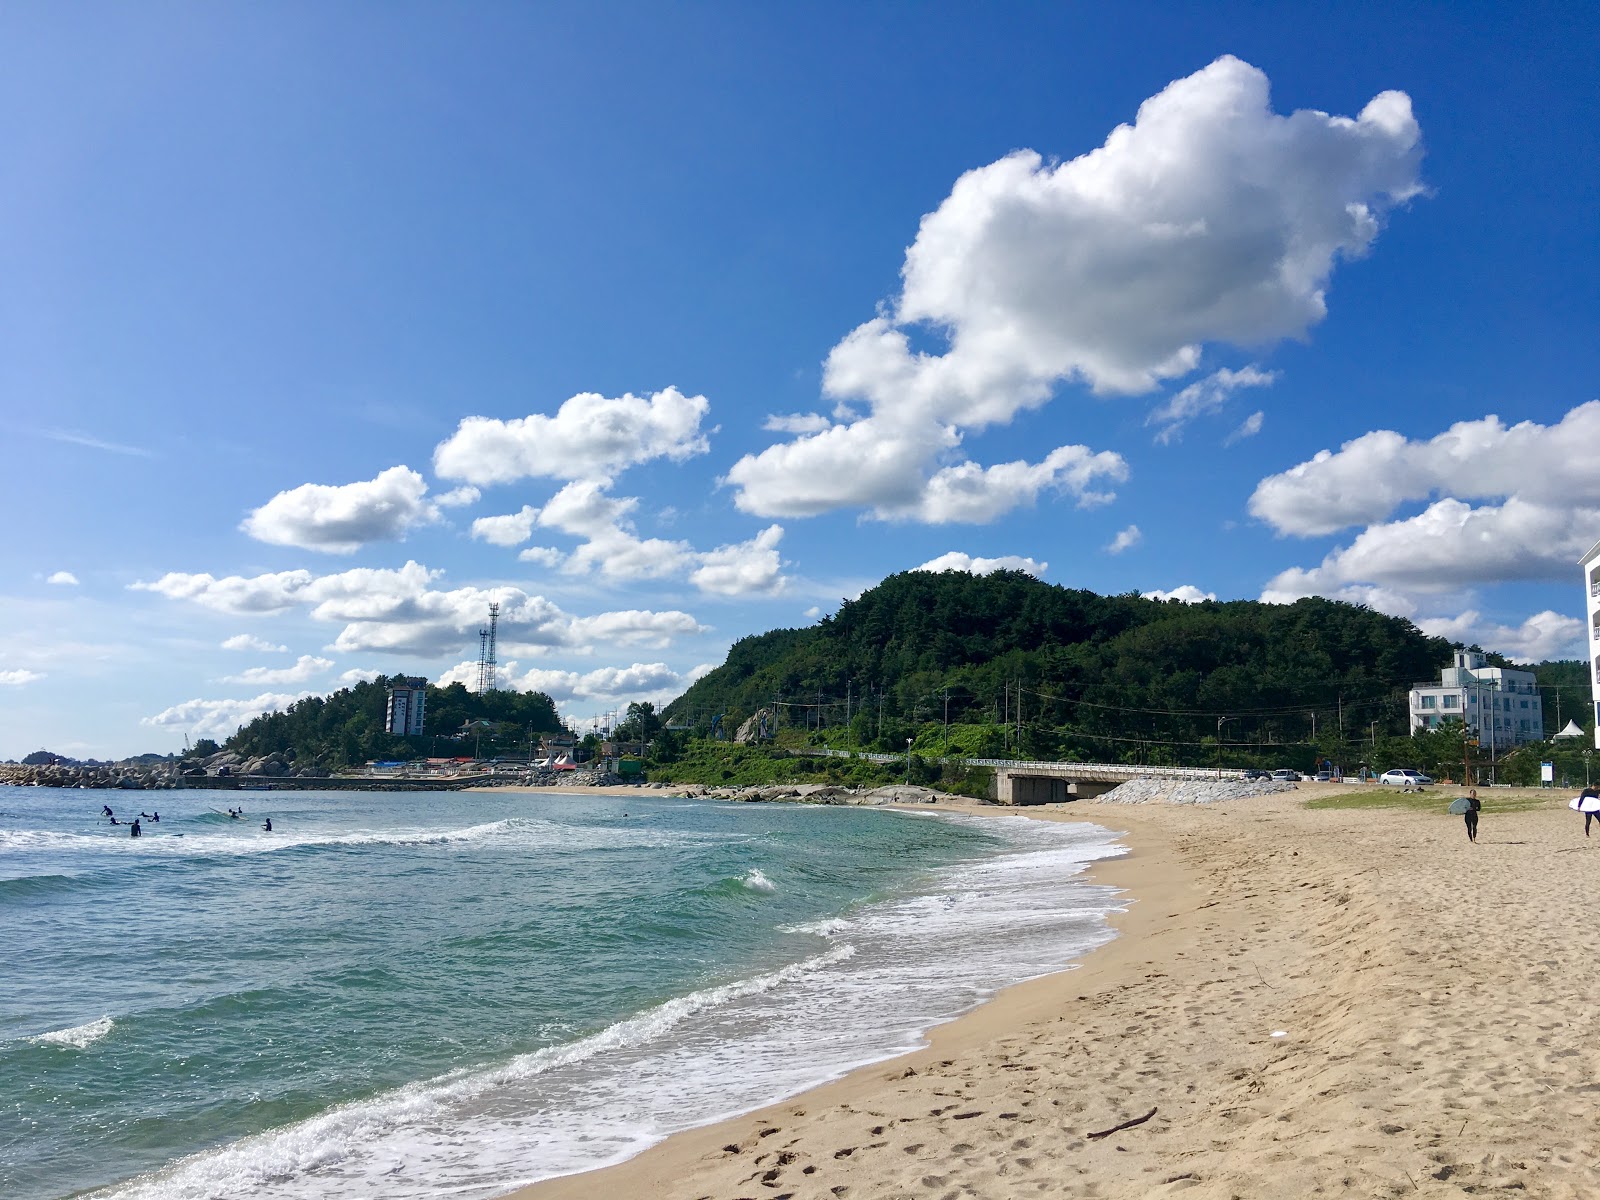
(1590, 563)
(406, 699)
(1501, 704)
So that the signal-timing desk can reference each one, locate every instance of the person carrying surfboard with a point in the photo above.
(1468, 806)
(1592, 812)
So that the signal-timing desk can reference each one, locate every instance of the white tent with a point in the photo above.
(1571, 731)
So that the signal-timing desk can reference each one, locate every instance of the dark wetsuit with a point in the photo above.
(1589, 794)
(1472, 819)
(134, 830)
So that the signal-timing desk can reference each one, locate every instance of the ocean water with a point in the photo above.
(416, 994)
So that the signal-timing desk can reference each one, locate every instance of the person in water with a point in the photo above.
(1471, 815)
(134, 830)
(155, 817)
(105, 811)
(114, 821)
(267, 825)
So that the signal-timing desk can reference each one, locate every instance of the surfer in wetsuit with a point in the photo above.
(1589, 793)
(267, 825)
(134, 830)
(155, 817)
(105, 811)
(1471, 815)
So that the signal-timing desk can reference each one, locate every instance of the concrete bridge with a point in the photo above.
(1053, 782)
(1019, 782)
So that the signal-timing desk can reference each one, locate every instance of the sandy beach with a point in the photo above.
(1302, 1002)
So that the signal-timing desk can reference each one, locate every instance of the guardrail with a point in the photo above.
(1117, 770)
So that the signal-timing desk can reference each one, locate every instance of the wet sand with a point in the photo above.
(1431, 1001)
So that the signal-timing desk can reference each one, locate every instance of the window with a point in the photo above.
(1450, 701)
(1428, 702)
(1524, 705)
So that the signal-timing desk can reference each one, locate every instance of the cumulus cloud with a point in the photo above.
(1544, 635)
(356, 675)
(400, 611)
(1126, 539)
(63, 579)
(744, 568)
(1247, 428)
(797, 423)
(304, 668)
(458, 497)
(590, 437)
(342, 519)
(1450, 545)
(585, 510)
(955, 560)
(1211, 219)
(1186, 593)
(18, 676)
(219, 719)
(509, 530)
(1372, 476)
(247, 641)
(641, 680)
(545, 556)
(1205, 396)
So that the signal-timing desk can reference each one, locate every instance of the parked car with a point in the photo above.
(1405, 777)
(1257, 773)
(1324, 776)
(1285, 775)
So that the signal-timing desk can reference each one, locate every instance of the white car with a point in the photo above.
(1405, 777)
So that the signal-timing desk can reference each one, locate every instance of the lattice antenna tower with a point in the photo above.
(486, 653)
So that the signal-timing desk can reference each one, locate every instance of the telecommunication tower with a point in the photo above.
(486, 662)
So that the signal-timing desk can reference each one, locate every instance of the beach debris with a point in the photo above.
(1125, 1125)
(1280, 1033)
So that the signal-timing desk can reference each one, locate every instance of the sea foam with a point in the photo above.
(79, 1037)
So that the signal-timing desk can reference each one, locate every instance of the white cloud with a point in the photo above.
(814, 613)
(63, 578)
(1126, 539)
(304, 668)
(1205, 396)
(340, 520)
(1211, 219)
(458, 497)
(545, 556)
(641, 680)
(583, 509)
(1248, 428)
(356, 675)
(234, 593)
(1544, 635)
(509, 530)
(590, 437)
(18, 677)
(955, 560)
(219, 719)
(399, 611)
(1449, 545)
(246, 641)
(744, 568)
(797, 423)
(1187, 593)
(1373, 475)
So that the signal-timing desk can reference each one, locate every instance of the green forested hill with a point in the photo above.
(1095, 677)
(346, 728)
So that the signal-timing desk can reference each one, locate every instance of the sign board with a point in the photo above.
(1547, 772)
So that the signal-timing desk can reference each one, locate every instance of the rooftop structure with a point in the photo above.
(1502, 706)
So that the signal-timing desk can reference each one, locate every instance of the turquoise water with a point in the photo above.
(406, 994)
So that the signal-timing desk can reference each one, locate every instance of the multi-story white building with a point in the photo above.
(1502, 705)
(406, 698)
(1590, 563)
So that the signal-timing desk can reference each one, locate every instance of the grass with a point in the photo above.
(1437, 799)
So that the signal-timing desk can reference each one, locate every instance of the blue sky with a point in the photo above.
(321, 326)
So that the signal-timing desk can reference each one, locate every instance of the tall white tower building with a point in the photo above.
(1590, 563)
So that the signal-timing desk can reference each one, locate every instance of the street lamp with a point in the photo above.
(1220, 721)
(908, 760)
(1587, 755)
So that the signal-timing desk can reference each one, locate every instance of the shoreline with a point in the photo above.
(1298, 1002)
(1150, 880)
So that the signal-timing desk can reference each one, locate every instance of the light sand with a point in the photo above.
(1436, 999)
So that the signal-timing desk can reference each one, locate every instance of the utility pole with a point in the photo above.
(1220, 721)
(946, 751)
(849, 731)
